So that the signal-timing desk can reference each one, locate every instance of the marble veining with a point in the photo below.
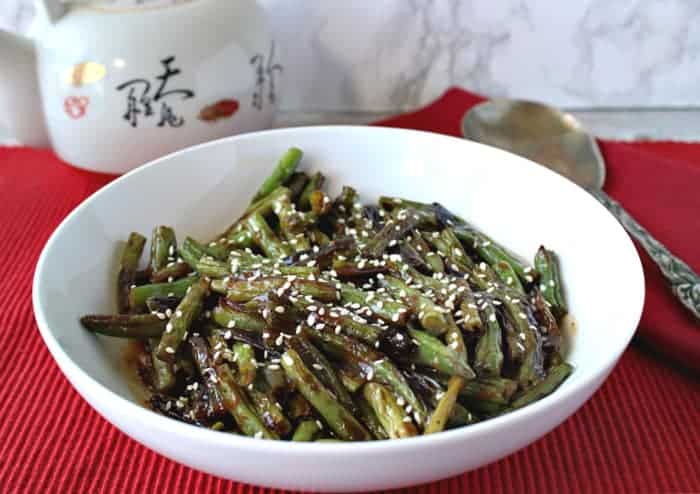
(393, 55)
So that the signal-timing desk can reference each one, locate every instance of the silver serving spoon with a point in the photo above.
(558, 141)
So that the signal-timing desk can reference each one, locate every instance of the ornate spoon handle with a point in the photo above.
(685, 283)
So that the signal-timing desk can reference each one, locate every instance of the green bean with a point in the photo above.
(431, 258)
(431, 317)
(242, 261)
(266, 239)
(411, 275)
(237, 404)
(367, 333)
(275, 378)
(245, 290)
(550, 284)
(171, 272)
(491, 252)
(317, 237)
(244, 356)
(322, 369)
(270, 411)
(556, 376)
(181, 320)
(443, 411)
(281, 173)
(471, 319)
(391, 416)
(425, 212)
(202, 359)
(394, 229)
(306, 431)
(127, 270)
(210, 267)
(368, 418)
(532, 368)
(125, 325)
(315, 183)
(139, 294)
(362, 331)
(461, 417)
(374, 365)
(338, 418)
(432, 353)
(508, 276)
(354, 269)
(163, 375)
(352, 381)
(454, 338)
(291, 221)
(163, 245)
(240, 240)
(493, 389)
(320, 203)
(298, 407)
(264, 206)
(227, 317)
(383, 307)
(296, 184)
(488, 357)
(449, 247)
(191, 251)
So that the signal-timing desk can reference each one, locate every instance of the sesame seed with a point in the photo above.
(169, 327)
(160, 316)
(169, 349)
(317, 366)
(231, 324)
(279, 309)
(492, 318)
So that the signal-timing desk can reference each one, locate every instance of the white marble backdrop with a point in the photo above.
(386, 55)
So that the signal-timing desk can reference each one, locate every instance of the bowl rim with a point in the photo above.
(86, 384)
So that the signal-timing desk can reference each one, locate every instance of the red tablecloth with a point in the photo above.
(639, 433)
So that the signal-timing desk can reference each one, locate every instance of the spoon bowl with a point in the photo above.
(541, 133)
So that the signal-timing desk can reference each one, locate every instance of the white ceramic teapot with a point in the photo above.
(111, 89)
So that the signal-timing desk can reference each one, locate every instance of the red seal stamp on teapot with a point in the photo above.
(76, 106)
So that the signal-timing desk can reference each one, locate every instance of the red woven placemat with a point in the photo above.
(639, 433)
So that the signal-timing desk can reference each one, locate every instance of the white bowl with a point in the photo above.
(200, 190)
